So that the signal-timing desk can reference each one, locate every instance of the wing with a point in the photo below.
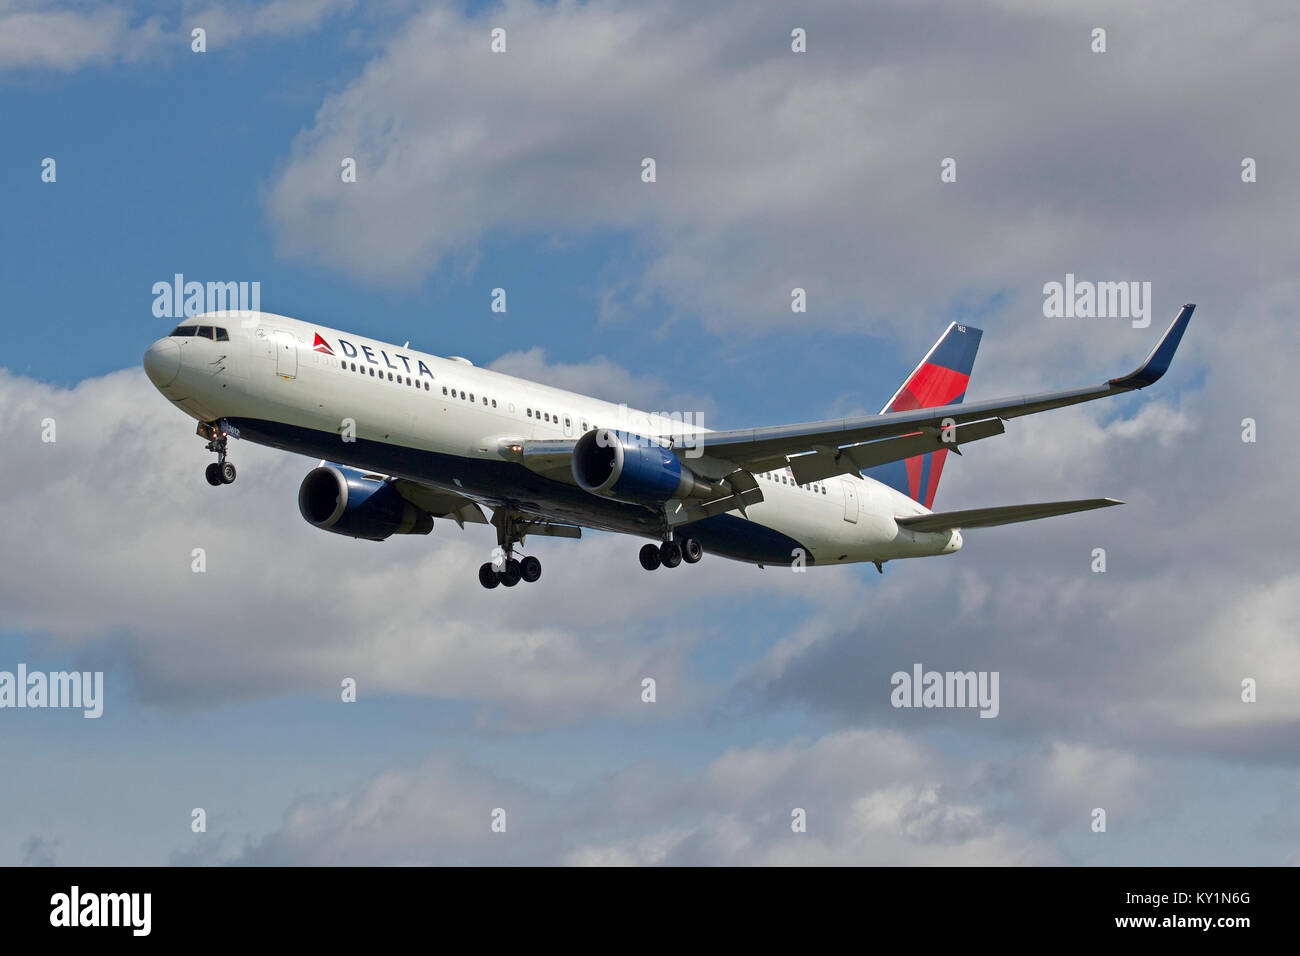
(990, 517)
(439, 503)
(843, 445)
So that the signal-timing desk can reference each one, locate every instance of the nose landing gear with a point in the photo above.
(220, 472)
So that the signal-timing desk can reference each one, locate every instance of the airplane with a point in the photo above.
(405, 437)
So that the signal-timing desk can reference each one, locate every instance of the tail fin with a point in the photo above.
(940, 379)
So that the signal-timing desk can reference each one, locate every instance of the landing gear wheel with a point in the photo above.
(487, 576)
(220, 472)
(650, 557)
(530, 569)
(511, 573)
(692, 550)
(670, 555)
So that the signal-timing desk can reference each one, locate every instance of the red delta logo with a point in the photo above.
(320, 345)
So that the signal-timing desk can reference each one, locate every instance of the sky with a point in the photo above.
(1120, 690)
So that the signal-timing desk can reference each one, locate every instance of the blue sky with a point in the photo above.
(1119, 690)
(163, 169)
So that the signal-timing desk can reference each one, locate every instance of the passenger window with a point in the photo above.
(426, 386)
(567, 422)
(444, 390)
(222, 336)
(530, 413)
(494, 403)
(471, 396)
(372, 373)
(484, 399)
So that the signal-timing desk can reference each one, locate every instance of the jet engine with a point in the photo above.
(346, 501)
(631, 468)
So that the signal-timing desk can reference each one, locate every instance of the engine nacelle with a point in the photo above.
(631, 468)
(345, 501)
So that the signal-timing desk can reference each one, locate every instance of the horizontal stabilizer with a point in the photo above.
(989, 517)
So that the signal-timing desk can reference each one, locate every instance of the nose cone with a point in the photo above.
(162, 363)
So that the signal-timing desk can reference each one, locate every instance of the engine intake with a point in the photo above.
(346, 501)
(632, 468)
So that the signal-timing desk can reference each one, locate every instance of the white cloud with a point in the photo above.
(42, 36)
(817, 170)
(607, 380)
(71, 36)
(870, 798)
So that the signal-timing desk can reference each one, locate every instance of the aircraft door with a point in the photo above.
(286, 354)
(850, 500)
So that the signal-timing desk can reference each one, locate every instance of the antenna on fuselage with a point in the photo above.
(408, 344)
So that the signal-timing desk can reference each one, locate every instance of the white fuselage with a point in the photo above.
(443, 422)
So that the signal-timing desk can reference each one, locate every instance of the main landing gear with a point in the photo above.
(505, 569)
(671, 553)
(220, 472)
(510, 572)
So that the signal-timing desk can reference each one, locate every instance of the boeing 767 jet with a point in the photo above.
(405, 437)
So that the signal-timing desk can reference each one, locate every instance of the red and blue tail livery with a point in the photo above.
(939, 380)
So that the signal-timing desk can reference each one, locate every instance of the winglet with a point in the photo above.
(1157, 362)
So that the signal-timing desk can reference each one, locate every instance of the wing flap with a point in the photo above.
(991, 517)
(439, 503)
(850, 460)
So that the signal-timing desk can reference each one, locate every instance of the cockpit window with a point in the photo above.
(184, 330)
(222, 336)
(204, 332)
